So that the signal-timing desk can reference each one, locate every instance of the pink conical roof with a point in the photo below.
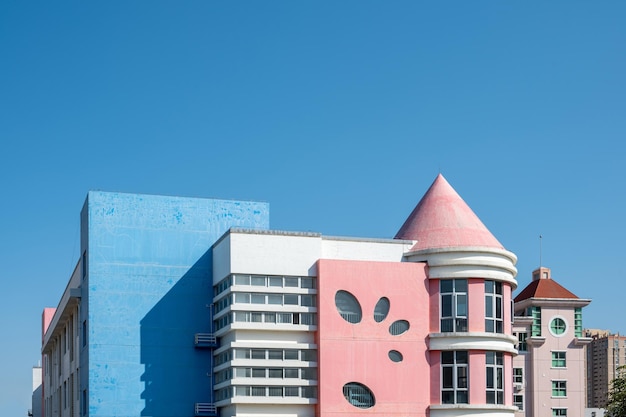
(442, 219)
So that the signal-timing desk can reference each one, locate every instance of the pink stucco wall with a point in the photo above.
(359, 352)
(46, 318)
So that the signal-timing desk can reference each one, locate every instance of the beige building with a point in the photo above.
(605, 354)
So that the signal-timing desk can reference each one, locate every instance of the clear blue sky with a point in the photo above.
(339, 114)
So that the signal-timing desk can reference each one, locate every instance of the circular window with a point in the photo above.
(558, 326)
(358, 395)
(398, 327)
(395, 356)
(381, 310)
(348, 307)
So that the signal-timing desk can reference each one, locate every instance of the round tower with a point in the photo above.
(471, 279)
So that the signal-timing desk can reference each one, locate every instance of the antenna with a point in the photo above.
(540, 237)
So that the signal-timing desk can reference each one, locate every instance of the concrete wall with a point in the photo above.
(146, 290)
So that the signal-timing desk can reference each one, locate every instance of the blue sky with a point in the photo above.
(339, 114)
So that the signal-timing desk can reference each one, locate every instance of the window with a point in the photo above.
(518, 401)
(559, 388)
(381, 309)
(557, 326)
(578, 322)
(521, 342)
(535, 313)
(495, 380)
(84, 333)
(398, 327)
(358, 395)
(454, 377)
(493, 307)
(559, 411)
(83, 265)
(518, 376)
(453, 305)
(558, 360)
(83, 402)
(348, 307)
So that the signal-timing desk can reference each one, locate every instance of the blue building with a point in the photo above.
(122, 340)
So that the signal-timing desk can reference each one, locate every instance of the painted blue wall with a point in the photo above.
(146, 294)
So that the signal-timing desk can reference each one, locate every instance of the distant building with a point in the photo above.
(605, 354)
(37, 398)
(549, 372)
(192, 307)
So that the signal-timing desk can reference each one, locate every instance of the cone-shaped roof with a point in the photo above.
(442, 219)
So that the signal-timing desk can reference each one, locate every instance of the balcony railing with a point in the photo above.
(206, 410)
(205, 340)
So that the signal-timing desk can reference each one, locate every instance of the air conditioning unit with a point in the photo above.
(518, 386)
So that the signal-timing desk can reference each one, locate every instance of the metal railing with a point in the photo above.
(206, 409)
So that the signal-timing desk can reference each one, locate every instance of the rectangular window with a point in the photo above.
(258, 280)
(559, 388)
(291, 354)
(307, 282)
(83, 402)
(495, 377)
(493, 307)
(578, 322)
(559, 412)
(453, 307)
(292, 391)
(454, 377)
(275, 391)
(291, 373)
(258, 354)
(535, 313)
(257, 298)
(518, 401)
(290, 299)
(275, 354)
(521, 342)
(558, 360)
(83, 265)
(258, 372)
(275, 373)
(292, 282)
(518, 376)
(242, 279)
(84, 333)
(276, 282)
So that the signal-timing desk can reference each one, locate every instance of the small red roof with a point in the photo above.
(544, 288)
(442, 219)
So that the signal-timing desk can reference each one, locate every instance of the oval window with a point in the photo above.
(348, 307)
(358, 395)
(398, 327)
(395, 356)
(381, 310)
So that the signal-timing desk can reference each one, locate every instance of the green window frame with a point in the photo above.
(558, 326)
(559, 388)
(578, 322)
(559, 360)
(535, 313)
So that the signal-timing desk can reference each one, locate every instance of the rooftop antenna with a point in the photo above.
(540, 238)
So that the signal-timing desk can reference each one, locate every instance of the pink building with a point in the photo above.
(549, 372)
(317, 326)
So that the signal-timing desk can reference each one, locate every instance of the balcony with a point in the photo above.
(205, 341)
(206, 410)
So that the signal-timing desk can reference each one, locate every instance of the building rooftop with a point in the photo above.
(543, 286)
(442, 219)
